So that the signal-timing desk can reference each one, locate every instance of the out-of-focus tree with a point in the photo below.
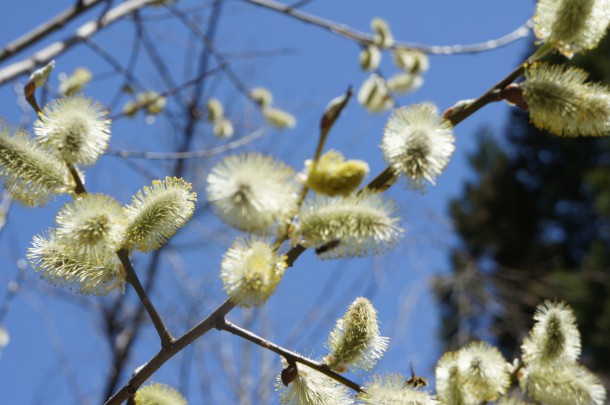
(533, 223)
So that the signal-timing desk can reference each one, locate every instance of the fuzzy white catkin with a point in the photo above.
(554, 338)
(252, 191)
(418, 143)
(572, 26)
(359, 225)
(250, 271)
(391, 390)
(568, 384)
(157, 212)
(355, 341)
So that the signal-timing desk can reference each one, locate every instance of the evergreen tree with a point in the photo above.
(534, 225)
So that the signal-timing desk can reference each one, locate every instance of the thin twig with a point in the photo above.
(197, 154)
(209, 44)
(156, 58)
(44, 29)
(132, 278)
(165, 354)
(290, 356)
(366, 39)
(12, 290)
(86, 30)
(79, 187)
(488, 97)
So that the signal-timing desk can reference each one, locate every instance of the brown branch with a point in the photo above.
(489, 96)
(167, 353)
(46, 28)
(85, 31)
(209, 44)
(132, 278)
(290, 356)
(366, 39)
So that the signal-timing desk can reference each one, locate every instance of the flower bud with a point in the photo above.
(60, 264)
(561, 102)
(251, 191)
(404, 83)
(261, 96)
(331, 175)
(40, 76)
(418, 143)
(374, 95)
(382, 34)
(32, 174)
(391, 390)
(411, 61)
(363, 224)
(73, 84)
(312, 387)
(554, 337)
(279, 118)
(355, 341)
(215, 110)
(567, 384)
(370, 58)
(158, 211)
(484, 371)
(223, 128)
(76, 127)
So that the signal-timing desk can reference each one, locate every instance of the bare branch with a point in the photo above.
(366, 39)
(83, 32)
(189, 154)
(290, 356)
(132, 278)
(167, 353)
(46, 28)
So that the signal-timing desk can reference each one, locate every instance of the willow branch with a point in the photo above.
(489, 96)
(366, 39)
(132, 278)
(290, 356)
(189, 154)
(209, 44)
(79, 187)
(146, 371)
(46, 28)
(388, 176)
(85, 31)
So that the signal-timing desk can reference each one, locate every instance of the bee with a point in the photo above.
(416, 381)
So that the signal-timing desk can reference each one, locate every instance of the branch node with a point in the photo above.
(220, 323)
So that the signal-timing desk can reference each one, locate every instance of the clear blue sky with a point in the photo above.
(49, 330)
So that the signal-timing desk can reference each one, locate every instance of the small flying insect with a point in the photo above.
(416, 381)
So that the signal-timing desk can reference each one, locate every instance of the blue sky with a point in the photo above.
(57, 348)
